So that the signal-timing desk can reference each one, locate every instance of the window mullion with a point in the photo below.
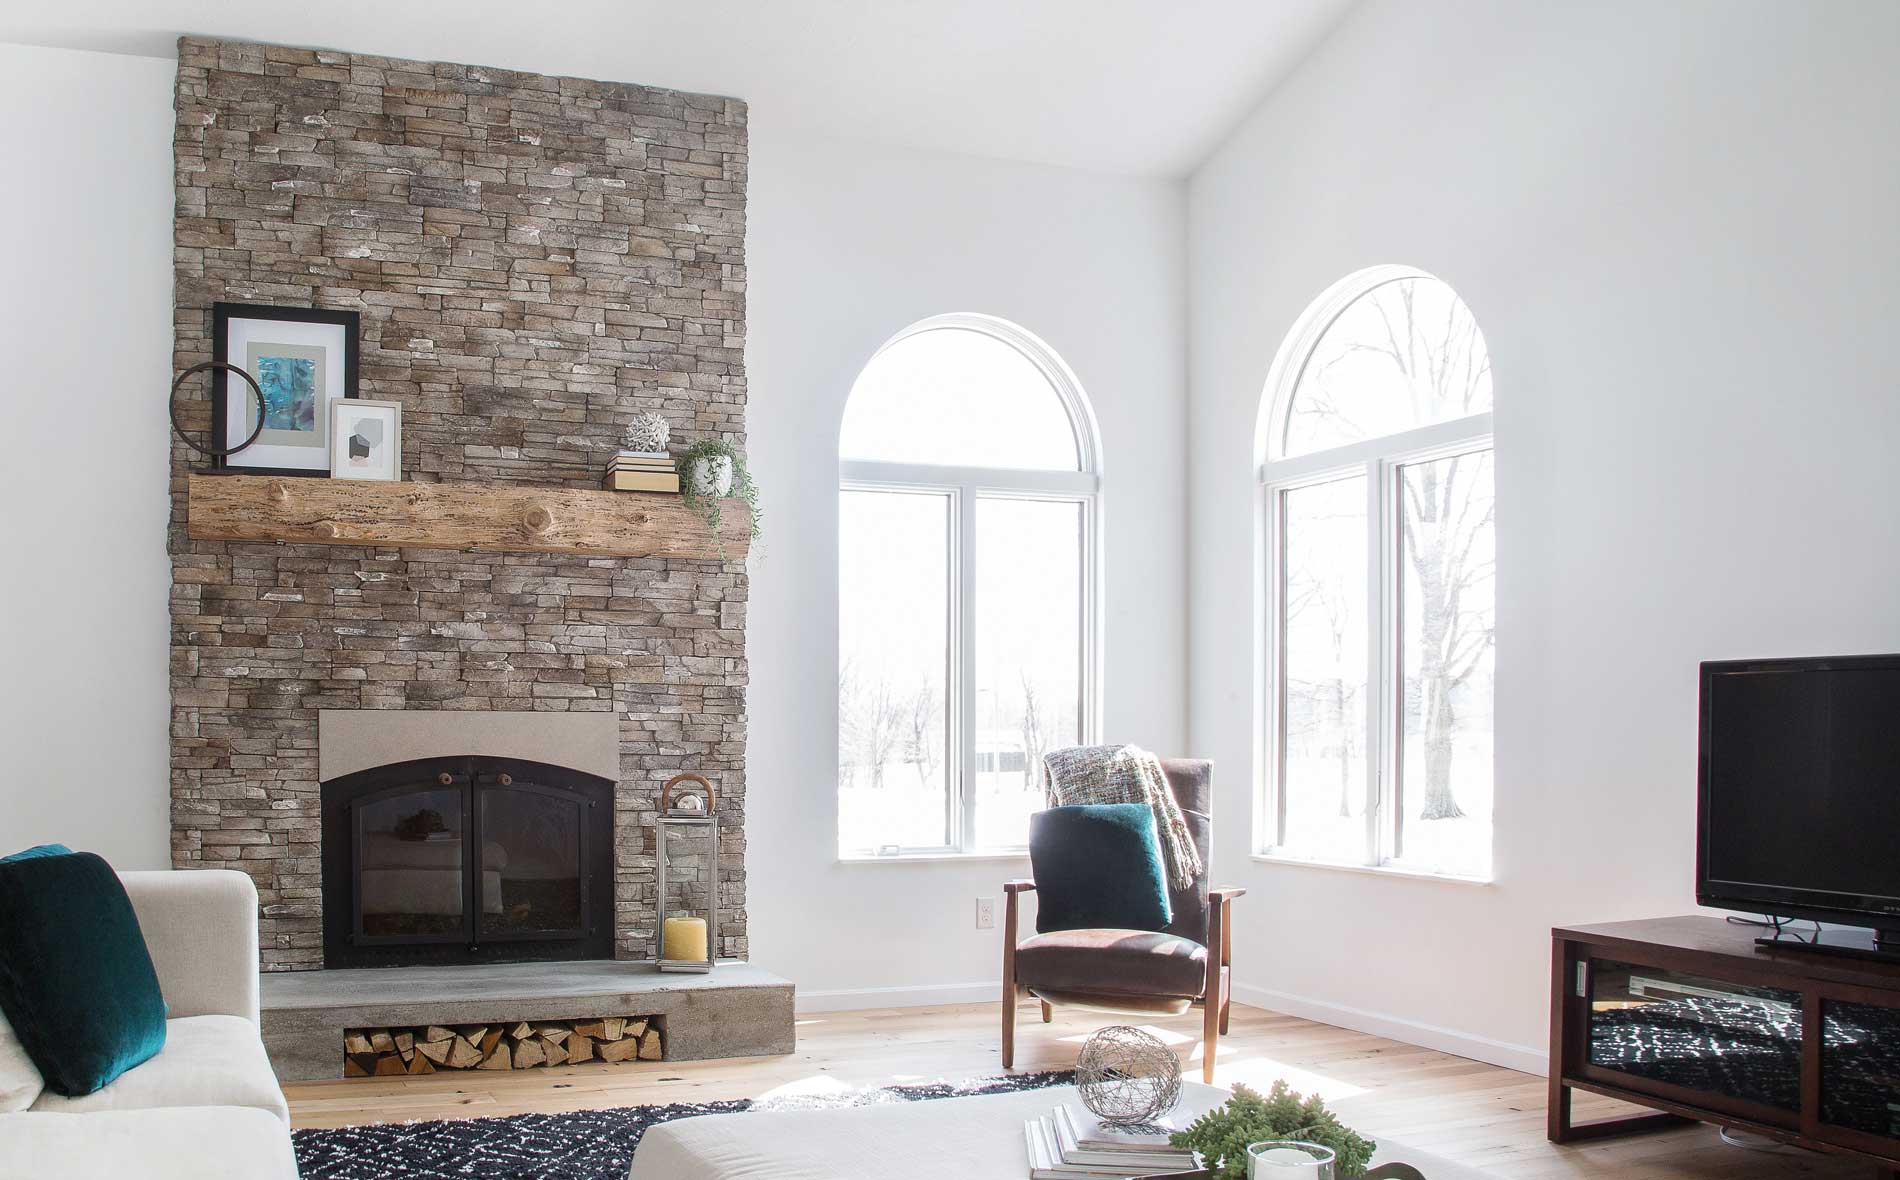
(964, 723)
(1391, 670)
(1378, 770)
(1276, 502)
(1089, 656)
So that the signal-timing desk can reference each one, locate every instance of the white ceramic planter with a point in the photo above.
(711, 476)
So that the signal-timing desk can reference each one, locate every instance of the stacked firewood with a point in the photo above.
(394, 1052)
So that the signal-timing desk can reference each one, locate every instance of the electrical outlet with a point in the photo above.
(986, 913)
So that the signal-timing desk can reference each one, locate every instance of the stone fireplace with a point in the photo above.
(534, 260)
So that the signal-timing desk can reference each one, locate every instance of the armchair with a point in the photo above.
(1143, 972)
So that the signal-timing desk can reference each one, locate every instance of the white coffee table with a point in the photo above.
(940, 1139)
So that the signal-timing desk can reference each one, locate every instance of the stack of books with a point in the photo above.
(641, 471)
(1069, 1143)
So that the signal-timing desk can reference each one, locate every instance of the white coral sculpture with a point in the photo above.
(647, 432)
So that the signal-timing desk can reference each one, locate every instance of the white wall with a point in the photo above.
(1676, 225)
(848, 244)
(85, 314)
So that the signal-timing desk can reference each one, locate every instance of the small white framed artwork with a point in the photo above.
(365, 439)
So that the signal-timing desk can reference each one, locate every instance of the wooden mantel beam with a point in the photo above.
(503, 518)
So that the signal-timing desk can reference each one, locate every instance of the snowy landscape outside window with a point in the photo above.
(967, 595)
(1380, 574)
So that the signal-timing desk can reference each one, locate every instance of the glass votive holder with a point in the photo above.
(1286, 1159)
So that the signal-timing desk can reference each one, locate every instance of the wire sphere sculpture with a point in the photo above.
(1127, 1077)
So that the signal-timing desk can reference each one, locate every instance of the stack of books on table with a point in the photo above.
(641, 471)
(1069, 1143)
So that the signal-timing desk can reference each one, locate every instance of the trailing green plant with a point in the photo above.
(711, 506)
(1222, 1135)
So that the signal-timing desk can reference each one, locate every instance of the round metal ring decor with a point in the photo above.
(216, 452)
(1127, 1077)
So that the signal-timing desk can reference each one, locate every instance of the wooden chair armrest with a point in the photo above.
(1015, 887)
(1220, 933)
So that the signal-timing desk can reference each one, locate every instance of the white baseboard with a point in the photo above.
(1529, 1059)
(907, 996)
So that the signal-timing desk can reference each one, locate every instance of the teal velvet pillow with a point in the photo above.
(1098, 866)
(76, 981)
(38, 850)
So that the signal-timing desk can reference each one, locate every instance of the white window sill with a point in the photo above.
(915, 857)
(1373, 870)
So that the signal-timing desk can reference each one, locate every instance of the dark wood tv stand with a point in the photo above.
(1687, 1016)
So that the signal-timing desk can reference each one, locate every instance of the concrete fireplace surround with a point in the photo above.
(534, 260)
(349, 740)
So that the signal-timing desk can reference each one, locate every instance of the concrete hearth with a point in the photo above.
(736, 1010)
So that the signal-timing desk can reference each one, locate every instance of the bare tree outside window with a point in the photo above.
(883, 718)
(1446, 517)
(1039, 732)
(1405, 354)
(850, 724)
(923, 746)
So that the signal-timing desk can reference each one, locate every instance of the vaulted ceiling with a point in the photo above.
(1133, 86)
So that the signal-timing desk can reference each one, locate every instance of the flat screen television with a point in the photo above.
(1798, 811)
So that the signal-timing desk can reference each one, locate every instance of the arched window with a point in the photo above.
(967, 595)
(1380, 581)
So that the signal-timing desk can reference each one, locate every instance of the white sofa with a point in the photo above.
(207, 1107)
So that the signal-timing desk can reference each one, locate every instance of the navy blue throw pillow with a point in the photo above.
(76, 981)
(1098, 866)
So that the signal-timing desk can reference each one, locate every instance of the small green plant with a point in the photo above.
(1222, 1135)
(708, 504)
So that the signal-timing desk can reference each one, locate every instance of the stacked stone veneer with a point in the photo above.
(534, 259)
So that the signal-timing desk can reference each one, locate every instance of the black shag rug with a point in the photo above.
(584, 1145)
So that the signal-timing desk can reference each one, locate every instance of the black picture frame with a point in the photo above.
(221, 316)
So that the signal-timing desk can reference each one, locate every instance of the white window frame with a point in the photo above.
(1380, 461)
(965, 486)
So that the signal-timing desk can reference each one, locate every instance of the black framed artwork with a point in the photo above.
(303, 359)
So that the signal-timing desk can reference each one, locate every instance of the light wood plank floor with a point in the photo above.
(1476, 1114)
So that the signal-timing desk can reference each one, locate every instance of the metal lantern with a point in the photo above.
(686, 840)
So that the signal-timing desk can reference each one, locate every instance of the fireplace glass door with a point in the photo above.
(531, 863)
(409, 848)
(468, 859)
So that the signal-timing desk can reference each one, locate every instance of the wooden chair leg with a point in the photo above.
(1009, 1023)
(1226, 997)
(1214, 990)
(1048, 1012)
(1210, 1037)
(1009, 981)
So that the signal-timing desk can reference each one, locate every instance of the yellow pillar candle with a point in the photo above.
(684, 939)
